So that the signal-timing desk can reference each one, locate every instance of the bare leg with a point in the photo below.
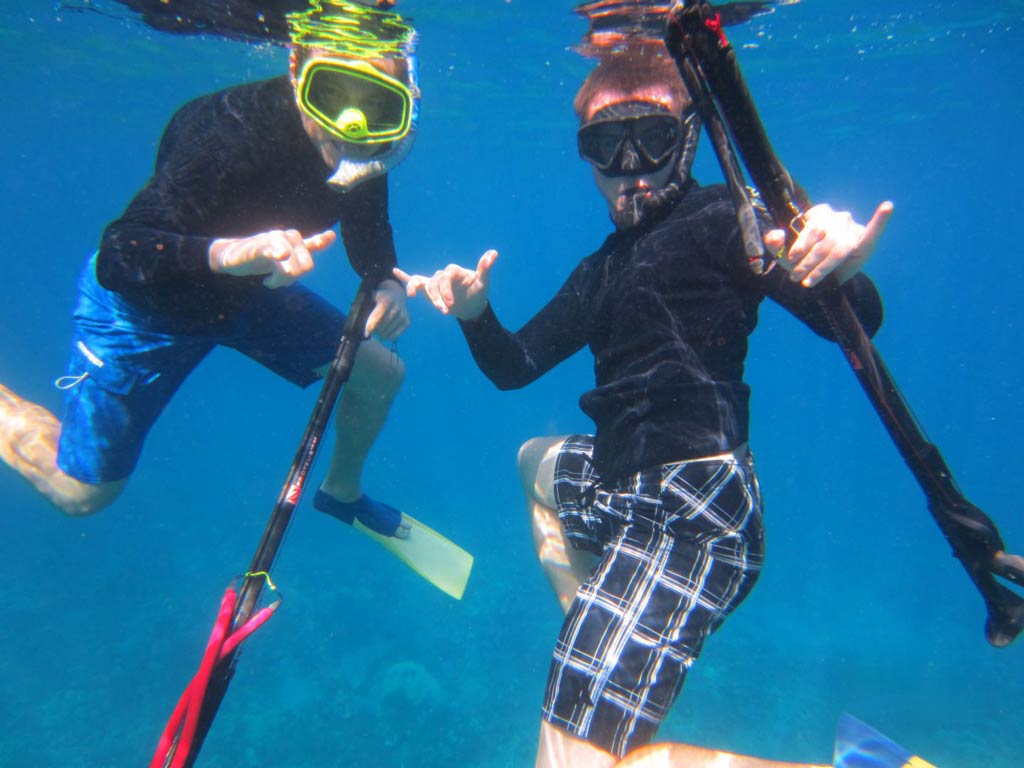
(1009, 566)
(557, 749)
(565, 567)
(669, 755)
(362, 411)
(28, 444)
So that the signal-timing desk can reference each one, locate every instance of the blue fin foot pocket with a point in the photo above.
(378, 517)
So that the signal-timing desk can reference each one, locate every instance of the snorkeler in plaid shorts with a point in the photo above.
(651, 530)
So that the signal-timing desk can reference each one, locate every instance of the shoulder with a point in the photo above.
(260, 111)
(263, 97)
(710, 203)
(237, 122)
(240, 102)
(704, 217)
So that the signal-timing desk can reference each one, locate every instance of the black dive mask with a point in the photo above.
(633, 138)
(636, 138)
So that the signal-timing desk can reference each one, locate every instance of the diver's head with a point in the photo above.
(637, 130)
(354, 75)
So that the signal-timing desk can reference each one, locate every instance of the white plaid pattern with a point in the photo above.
(682, 547)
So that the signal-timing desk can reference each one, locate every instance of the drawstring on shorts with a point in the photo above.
(70, 382)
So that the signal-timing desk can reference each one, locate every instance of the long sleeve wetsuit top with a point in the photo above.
(666, 309)
(234, 164)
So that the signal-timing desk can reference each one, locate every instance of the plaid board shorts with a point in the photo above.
(681, 546)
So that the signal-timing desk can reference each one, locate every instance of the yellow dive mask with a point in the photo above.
(353, 101)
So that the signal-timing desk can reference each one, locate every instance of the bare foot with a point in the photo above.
(1009, 566)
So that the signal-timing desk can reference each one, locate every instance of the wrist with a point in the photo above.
(845, 271)
(473, 314)
(216, 253)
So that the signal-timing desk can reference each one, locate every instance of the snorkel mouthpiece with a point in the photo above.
(351, 173)
(352, 123)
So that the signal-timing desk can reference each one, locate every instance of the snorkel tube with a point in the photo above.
(707, 62)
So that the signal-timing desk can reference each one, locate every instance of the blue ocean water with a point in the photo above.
(860, 607)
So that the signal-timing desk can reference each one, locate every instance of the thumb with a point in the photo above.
(483, 267)
(874, 229)
(374, 319)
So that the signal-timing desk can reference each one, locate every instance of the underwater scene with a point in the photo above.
(860, 607)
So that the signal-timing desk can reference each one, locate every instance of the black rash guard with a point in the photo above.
(233, 164)
(666, 309)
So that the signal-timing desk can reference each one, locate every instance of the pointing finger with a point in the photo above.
(433, 293)
(444, 288)
(320, 241)
(412, 283)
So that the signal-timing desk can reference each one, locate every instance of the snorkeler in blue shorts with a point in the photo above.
(248, 186)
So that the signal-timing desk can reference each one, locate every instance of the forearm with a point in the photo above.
(498, 353)
(133, 255)
(513, 360)
(366, 231)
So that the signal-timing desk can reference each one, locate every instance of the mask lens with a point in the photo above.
(355, 105)
(656, 136)
(600, 142)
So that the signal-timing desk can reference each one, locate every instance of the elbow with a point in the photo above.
(866, 301)
(871, 315)
(105, 275)
(110, 277)
(507, 382)
(874, 325)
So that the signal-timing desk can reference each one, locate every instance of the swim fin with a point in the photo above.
(443, 563)
(858, 745)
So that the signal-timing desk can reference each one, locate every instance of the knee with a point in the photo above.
(80, 499)
(378, 372)
(389, 377)
(536, 471)
(528, 457)
(396, 370)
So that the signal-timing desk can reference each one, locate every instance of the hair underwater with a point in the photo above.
(352, 29)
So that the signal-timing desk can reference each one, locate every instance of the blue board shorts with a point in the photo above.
(126, 363)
